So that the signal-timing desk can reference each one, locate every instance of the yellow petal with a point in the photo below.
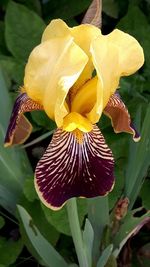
(106, 62)
(83, 36)
(89, 100)
(55, 29)
(96, 112)
(53, 67)
(85, 99)
(131, 56)
(114, 55)
(75, 121)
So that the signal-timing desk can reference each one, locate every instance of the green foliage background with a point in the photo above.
(21, 25)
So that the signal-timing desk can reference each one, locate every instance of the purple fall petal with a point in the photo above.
(19, 127)
(74, 168)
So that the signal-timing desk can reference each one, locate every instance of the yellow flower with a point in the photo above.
(59, 71)
(73, 75)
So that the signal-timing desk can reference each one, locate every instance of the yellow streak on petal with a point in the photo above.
(75, 121)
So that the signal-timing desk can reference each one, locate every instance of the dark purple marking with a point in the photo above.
(19, 126)
(136, 134)
(72, 169)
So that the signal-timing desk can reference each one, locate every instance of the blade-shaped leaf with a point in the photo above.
(88, 238)
(48, 254)
(14, 164)
(59, 219)
(144, 194)
(138, 161)
(98, 215)
(105, 256)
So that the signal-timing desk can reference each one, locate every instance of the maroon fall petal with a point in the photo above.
(120, 118)
(74, 167)
(19, 127)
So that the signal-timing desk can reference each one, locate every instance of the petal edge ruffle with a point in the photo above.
(120, 118)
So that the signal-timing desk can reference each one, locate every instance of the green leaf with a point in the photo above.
(41, 119)
(118, 187)
(14, 164)
(3, 48)
(38, 139)
(59, 219)
(88, 238)
(65, 9)
(22, 37)
(45, 228)
(29, 190)
(2, 222)
(110, 7)
(9, 251)
(105, 256)
(130, 225)
(138, 161)
(14, 68)
(32, 4)
(45, 250)
(145, 194)
(98, 215)
(112, 262)
(7, 63)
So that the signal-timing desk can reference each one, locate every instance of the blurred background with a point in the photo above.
(21, 25)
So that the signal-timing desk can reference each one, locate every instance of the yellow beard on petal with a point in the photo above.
(75, 121)
(78, 135)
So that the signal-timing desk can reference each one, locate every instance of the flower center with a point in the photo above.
(75, 121)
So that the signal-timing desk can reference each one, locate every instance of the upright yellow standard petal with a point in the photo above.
(131, 56)
(83, 36)
(114, 55)
(55, 29)
(106, 62)
(53, 67)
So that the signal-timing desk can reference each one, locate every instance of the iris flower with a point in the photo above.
(73, 75)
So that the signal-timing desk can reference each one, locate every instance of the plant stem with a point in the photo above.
(76, 232)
